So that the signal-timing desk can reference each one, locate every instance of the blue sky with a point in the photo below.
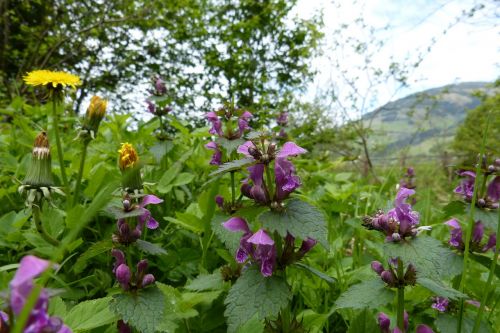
(469, 51)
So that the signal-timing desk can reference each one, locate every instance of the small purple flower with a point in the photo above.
(286, 180)
(160, 87)
(257, 191)
(466, 187)
(217, 156)
(149, 199)
(384, 322)
(290, 149)
(151, 107)
(245, 148)
(123, 276)
(243, 122)
(216, 128)
(494, 191)
(219, 200)
(282, 119)
(377, 267)
(122, 327)
(423, 329)
(307, 246)
(456, 237)
(440, 303)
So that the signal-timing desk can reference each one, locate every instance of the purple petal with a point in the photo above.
(307, 245)
(152, 223)
(384, 322)
(478, 232)
(492, 242)
(243, 149)
(211, 116)
(150, 199)
(261, 238)
(494, 189)
(236, 224)
(377, 267)
(211, 145)
(290, 149)
(453, 223)
(423, 329)
(65, 329)
(123, 274)
(29, 268)
(402, 195)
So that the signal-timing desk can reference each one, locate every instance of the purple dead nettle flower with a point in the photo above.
(440, 303)
(408, 180)
(282, 119)
(21, 286)
(390, 277)
(490, 199)
(257, 247)
(384, 323)
(217, 156)
(124, 276)
(476, 244)
(400, 222)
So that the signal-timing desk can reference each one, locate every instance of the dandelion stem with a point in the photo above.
(39, 226)
(491, 274)
(76, 195)
(55, 122)
(470, 226)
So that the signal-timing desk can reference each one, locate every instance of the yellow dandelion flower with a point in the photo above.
(97, 107)
(51, 79)
(128, 156)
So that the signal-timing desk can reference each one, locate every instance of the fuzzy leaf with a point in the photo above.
(206, 282)
(439, 289)
(150, 248)
(229, 145)
(233, 165)
(92, 251)
(447, 323)
(299, 218)
(255, 294)
(143, 310)
(119, 213)
(367, 294)
(489, 218)
(429, 256)
(89, 315)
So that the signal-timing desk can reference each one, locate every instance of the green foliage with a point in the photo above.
(253, 295)
(368, 294)
(88, 315)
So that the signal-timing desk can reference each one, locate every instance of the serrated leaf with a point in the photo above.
(255, 294)
(300, 219)
(90, 314)
(370, 294)
(447, 323)
(428, 255)
(230, 239)
(254, 325)
(454, 208)
(151, 248)
(321, 275)
(488, 217)
(229, 145)
(440, 289)
(206, 282)
(119, 213)
(233, 165)
(486, 262)
(92, 251)
(143, 310)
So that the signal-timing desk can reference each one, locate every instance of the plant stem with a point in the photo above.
(470, 225)
(76, 195)
(269, 182)
(233, 190)
(55, 124)
(39, 226)
(401, 298)
(491, 274)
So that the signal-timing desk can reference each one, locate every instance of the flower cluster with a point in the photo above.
(390, 275)
(399, 222)
(408, 180)
(384, 323)
(282, 121)
(260, 248)
(485, 199)
(440, 303)
(21, 286)
(285, 179)
(124, 275)
(476, 242)
(223, 126)
(157, 101)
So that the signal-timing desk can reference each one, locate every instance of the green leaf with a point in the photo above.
(119, 213)
(370, 294)
(428, 255)
(92, 251)
(229, 145)
(255, 294)
(299, 218)
(488, 217)
(486, 262)
(230, 239)
(439, 289)
(254, 325)
(182, 179)
(447, 323)
(187, 221)
(206, 282)
(321, 275)
(364, 322)
(90, 314)
(143, 309)
(151, 248)
(233, 165)
(454, 208)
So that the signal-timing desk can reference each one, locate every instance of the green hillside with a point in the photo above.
(424, 123)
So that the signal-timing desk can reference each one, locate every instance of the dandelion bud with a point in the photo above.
(40, 171)
(128, 162)
(123, 275)
(148, 279)
(377, 267)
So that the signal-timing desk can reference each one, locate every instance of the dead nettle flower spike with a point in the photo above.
(124, 276)
(390, 276)
(476, 243)
(93, 117)
(128, 162)
(39, 183)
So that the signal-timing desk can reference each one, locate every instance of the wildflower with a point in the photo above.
(128, 161)
(230, 133)
(93, 117)
(466, 189)
(384, 323)
(216, 128)
(282, 119)
(52, 79)
(390, 276)
(258, 246)
(440, 303)
(217, 156)
(38, 182)
(128, 156)
(243, 121)
(20, 289)
(476, 244)
(160, 88)
(124, 275)
(149, 199)
(408, 180)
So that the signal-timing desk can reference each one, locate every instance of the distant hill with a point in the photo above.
(424, 122)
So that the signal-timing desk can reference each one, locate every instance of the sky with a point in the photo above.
(468, 51)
